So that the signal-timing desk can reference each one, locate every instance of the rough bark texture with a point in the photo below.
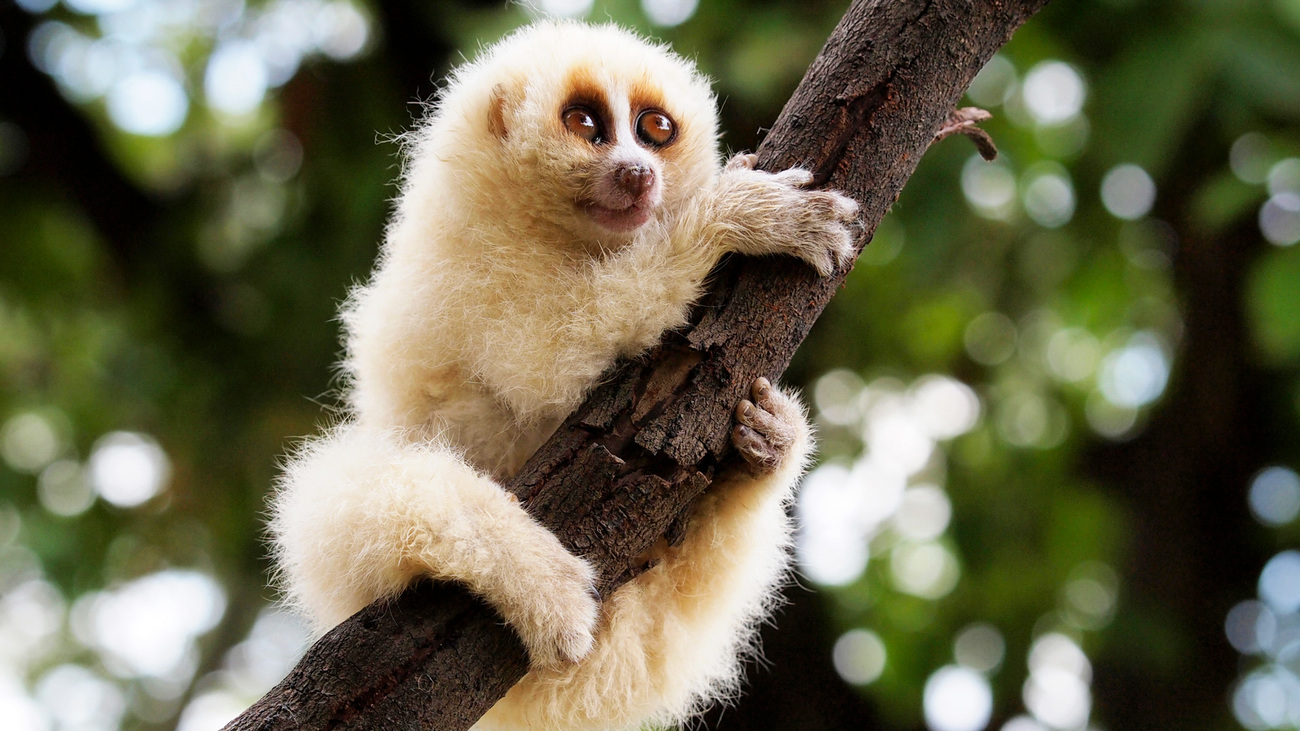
(624, 469)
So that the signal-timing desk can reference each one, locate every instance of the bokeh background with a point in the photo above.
(1059, 396)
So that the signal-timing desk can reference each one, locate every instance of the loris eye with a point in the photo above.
(583, 123)
(655, 128)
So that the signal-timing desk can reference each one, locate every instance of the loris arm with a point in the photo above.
(748, 212)
(361, 513)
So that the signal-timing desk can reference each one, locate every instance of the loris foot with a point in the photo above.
(766, 427)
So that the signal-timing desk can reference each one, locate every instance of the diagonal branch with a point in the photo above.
(622, 472)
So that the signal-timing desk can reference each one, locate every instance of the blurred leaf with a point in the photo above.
(1148, 100)
(933, 330)
(1273, 304)
(1264, 67)
(1223, 201)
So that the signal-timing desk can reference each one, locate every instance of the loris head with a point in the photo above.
(590, 130)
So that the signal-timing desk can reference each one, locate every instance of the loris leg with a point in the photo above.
(361, 513)
(671, 637)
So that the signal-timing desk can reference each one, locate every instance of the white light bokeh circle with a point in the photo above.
(341, 31)
(1023, 723)
(1128, 192)
(1028, 419)
(566, 8)
(18, 709)
(831, 545)
(894, 436)
(835, 558)
(98, 7)
(1072, 354)
(1135, 374)
(1279, 582)
(859, 656)
(957, 699)
(36, 6)
(1057, 692)
(1090, 595)
(236, 79)
(989, 187)
(1268, 698)
(944, 407)
(1048, 195)
(669, 12)
(1108, 418)
(926, 570)
(1058, 698)
(880, 484)
(128, 468)
(1250, 627)
(31, 440)
(836, 396)
(1274, 496)
(924, 513)
(1251, 157)
(1284, 177)
(149, 103)
(31, 615)
(1279, 219)
(147, 628)
(1054, 92)
(979, 647)
(1055, 650)
(77, 698)
(274, 645)
(64, 488)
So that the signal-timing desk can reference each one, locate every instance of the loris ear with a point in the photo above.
(500, 105)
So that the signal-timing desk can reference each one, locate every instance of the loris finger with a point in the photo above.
(756, 450)
(743, 161)
(770, 426)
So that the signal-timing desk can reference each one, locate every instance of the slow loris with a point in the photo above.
(560, 208)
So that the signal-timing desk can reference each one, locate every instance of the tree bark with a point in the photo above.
(623, 471)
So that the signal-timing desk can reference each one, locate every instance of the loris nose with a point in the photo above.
(635, 179)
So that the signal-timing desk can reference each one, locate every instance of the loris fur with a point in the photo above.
(560, 208)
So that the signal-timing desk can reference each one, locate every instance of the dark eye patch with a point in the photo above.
(655, 128)
(585, 123)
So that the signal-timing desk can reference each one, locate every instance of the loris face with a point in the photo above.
(618, 141)
(604, 132)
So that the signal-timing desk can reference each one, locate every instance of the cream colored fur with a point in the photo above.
(496, 305)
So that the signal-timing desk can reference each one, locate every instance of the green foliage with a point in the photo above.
(182, 287)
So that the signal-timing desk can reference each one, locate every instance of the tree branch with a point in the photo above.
(623, 471)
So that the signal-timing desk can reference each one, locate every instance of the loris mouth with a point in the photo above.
(618, 219)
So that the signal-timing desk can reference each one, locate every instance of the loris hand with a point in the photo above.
(773, 213)
(767, 427)
(552, 601)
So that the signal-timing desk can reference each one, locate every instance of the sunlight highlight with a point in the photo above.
(957, 699)
(128, 468)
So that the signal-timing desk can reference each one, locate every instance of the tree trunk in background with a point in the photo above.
(1194, 551)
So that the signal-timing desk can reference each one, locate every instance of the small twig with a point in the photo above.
(963, 121)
